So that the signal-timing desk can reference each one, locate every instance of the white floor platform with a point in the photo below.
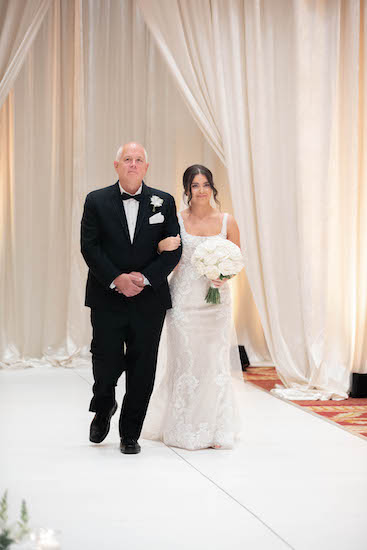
(294, 481)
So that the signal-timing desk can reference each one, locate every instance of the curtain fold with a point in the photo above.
(19, 24)
(195, 78)
(285, 84)
(7, 273)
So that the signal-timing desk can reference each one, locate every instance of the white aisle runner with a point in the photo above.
(294, 481)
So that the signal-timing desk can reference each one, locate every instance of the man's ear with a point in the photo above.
(115, 163)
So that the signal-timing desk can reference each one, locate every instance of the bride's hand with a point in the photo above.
(219, 282)
(169, 244)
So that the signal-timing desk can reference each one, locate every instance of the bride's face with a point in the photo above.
(200, 190)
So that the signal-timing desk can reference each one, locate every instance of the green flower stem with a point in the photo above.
(213, 295)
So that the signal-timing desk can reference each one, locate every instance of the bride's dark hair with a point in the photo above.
(190, 174)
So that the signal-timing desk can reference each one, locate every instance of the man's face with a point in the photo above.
(132, 166)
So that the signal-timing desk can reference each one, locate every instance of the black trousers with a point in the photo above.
(126, 340)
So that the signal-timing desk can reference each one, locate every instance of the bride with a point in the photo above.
(192, 406)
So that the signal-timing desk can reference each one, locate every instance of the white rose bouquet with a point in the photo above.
(217, 259)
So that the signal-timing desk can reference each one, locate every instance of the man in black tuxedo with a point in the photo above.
(127, 290)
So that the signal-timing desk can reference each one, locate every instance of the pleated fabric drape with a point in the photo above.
(92, 79)
(279, 90)
(19, 24)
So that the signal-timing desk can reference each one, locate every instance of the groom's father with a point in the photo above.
(127, 290)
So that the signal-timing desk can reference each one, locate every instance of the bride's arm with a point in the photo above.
(233, 234)
(169, 243)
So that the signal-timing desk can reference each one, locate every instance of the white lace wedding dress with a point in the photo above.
(193, 403)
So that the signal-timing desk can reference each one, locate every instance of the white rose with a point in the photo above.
(227, 267)
(210, 245)
(212, 272)
(210, 259)
(236, 255)
(238, 267)
(220, 253)
(200, 268)
(156, 201)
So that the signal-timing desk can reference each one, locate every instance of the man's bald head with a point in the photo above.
(133, 144)
(131, 165)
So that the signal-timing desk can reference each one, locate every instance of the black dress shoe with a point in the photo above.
(100, 425)
(129, 446)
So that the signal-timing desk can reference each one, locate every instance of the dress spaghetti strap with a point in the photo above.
(181, 222)
(224, 225)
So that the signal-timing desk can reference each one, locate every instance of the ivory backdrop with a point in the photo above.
(278, 89)
(92, 79)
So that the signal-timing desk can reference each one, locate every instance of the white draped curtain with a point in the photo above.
(19, 24)
(279, 90)
(92, 79)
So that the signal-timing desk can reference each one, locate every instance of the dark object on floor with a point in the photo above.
(243, 357)
(359, 385)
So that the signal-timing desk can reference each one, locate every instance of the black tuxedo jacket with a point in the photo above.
(108, 251)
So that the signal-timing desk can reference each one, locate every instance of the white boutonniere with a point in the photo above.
(156, 202)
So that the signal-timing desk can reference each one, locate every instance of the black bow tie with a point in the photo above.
(126, 196)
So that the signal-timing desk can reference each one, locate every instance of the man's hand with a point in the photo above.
(127, 284)
(138, 278)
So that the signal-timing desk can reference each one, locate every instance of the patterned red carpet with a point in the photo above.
(350, 413)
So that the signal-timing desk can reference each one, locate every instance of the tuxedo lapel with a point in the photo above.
(144, 210)
(120, 210)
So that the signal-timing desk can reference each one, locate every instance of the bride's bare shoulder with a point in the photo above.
(217, 216)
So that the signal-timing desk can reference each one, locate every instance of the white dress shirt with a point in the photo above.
(131, 207)
(131, 210)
